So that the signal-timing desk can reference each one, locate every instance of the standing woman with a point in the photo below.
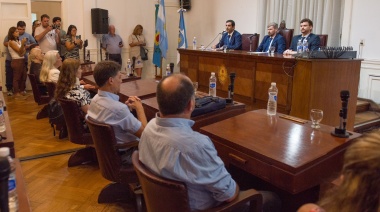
(73, 43)
(17, 52)
(136, 39)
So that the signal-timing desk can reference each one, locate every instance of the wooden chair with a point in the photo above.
(39, 98)
(77, 134)
(123, 176)
(288, 35)
(323, 39)
(245, 39)
(161, 194)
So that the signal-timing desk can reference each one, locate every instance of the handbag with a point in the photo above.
(208, 104)
(143, 51)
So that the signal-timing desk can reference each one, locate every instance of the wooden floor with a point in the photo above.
(51, 185)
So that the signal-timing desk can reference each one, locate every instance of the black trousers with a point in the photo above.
(116, 58)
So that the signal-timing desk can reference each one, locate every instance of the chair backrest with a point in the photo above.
(51, 88)
(323, 39)
(74, 123)
(246, 39)
(160, 194)
(288, 35)
(109, 159)
(38, 98)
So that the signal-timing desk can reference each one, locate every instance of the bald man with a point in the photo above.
(112, 44)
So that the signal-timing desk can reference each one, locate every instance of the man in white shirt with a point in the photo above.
(46, 36)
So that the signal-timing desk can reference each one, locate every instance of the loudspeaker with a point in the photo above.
(99, 21)
(186, 4)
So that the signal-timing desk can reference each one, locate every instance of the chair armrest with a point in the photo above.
(127, 145)
(251, 195)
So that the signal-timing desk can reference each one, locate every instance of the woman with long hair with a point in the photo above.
(68, 84)
(36, 24)
(49, 70)
(17, 51)
(73, 43)
(360, 186)
(136, 40)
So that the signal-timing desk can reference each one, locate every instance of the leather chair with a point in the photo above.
(288, 35)
(77, 134)
(161, 194)
(39, 98)
(124, 179)
(245, 39)
(50, 88)
(323, 39)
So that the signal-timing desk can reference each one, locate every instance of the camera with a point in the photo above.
(54, 26)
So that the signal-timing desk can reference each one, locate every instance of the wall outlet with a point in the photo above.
(362, 42)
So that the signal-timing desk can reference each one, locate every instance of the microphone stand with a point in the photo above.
(250, 42)
(132, 67)
(213, 40)
(341, 130)
(230, 98)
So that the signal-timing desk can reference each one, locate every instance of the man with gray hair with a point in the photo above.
(112, 44)
(272, 40)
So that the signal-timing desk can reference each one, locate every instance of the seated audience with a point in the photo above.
(106, 108)
(231, 39)
(272, 39)
(73, 43)
(306, 26)
(360, 186)
(35, 60)
(49, 70)
(171, 149)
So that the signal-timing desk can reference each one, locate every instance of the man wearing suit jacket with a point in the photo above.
(306, 26)
(231, 38)
(272, 39)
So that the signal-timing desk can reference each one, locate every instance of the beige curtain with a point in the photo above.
(325, 14)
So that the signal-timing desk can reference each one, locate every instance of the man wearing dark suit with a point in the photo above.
(231, 38)
(306, 26)
(272, 39)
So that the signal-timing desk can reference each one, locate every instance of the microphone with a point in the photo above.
(230, 98)
(341, 131)
(220, 33)
(249, 37)
(133, 67)
(5, 170)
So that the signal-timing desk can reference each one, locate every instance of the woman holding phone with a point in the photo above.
(73, 43)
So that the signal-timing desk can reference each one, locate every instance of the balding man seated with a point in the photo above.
(170, 148)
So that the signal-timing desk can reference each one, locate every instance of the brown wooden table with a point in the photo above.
(22, 195)
(289, 155)
(151, 108)
(8, 142)
(125, 78)
(303, 84)
(145, 88)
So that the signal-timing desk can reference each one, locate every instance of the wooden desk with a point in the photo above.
(303, 84)
(145, 88)
(291, 156)
(90, 79)
(151, 108)
(9, 141)
(23, 200)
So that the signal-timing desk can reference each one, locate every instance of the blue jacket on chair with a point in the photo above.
(234, 43)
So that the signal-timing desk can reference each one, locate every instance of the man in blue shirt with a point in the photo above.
(112, 44)
(272, 39)
(170, 148)
(231, 39)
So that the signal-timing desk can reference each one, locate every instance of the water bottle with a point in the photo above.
(194, 43)
(1, 105)
(212, 85)
(88, 56)
(299, 46)
(12, 193)
(305, 46)
(272, 100)
(2, 123)
(167, 73)
(129, 67)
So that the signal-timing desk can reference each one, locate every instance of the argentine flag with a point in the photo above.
(182, 40)
(161, 29)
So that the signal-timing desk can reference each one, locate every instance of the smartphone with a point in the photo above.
(120, 43)
(78, 36)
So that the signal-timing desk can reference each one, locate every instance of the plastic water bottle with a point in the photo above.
(1, 105)
(88, 56)
(194, 43)
(129, 67)
(299, 46)
(2, 123)
(305, 46)
(167, 73)
(12, 193)
(212, 85)
(272, 100)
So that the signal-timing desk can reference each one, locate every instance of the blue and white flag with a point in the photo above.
(161, 29)
(157, 51)
(182, 40)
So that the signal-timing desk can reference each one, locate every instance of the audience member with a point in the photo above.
(360, 186)
(73, 43)
(62, 35)
(49, 70)
(8, 68)
(35, 57)
(106, 108)
(36, 23)
(231, 39)
(306, 26)
(136, 40)
(171, 149)
(46, 35)
(17, 52)
(272, 39)
(112, 43)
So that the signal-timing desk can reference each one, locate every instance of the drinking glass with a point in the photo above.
(195, 84)
(316, 116)
(271, 50)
